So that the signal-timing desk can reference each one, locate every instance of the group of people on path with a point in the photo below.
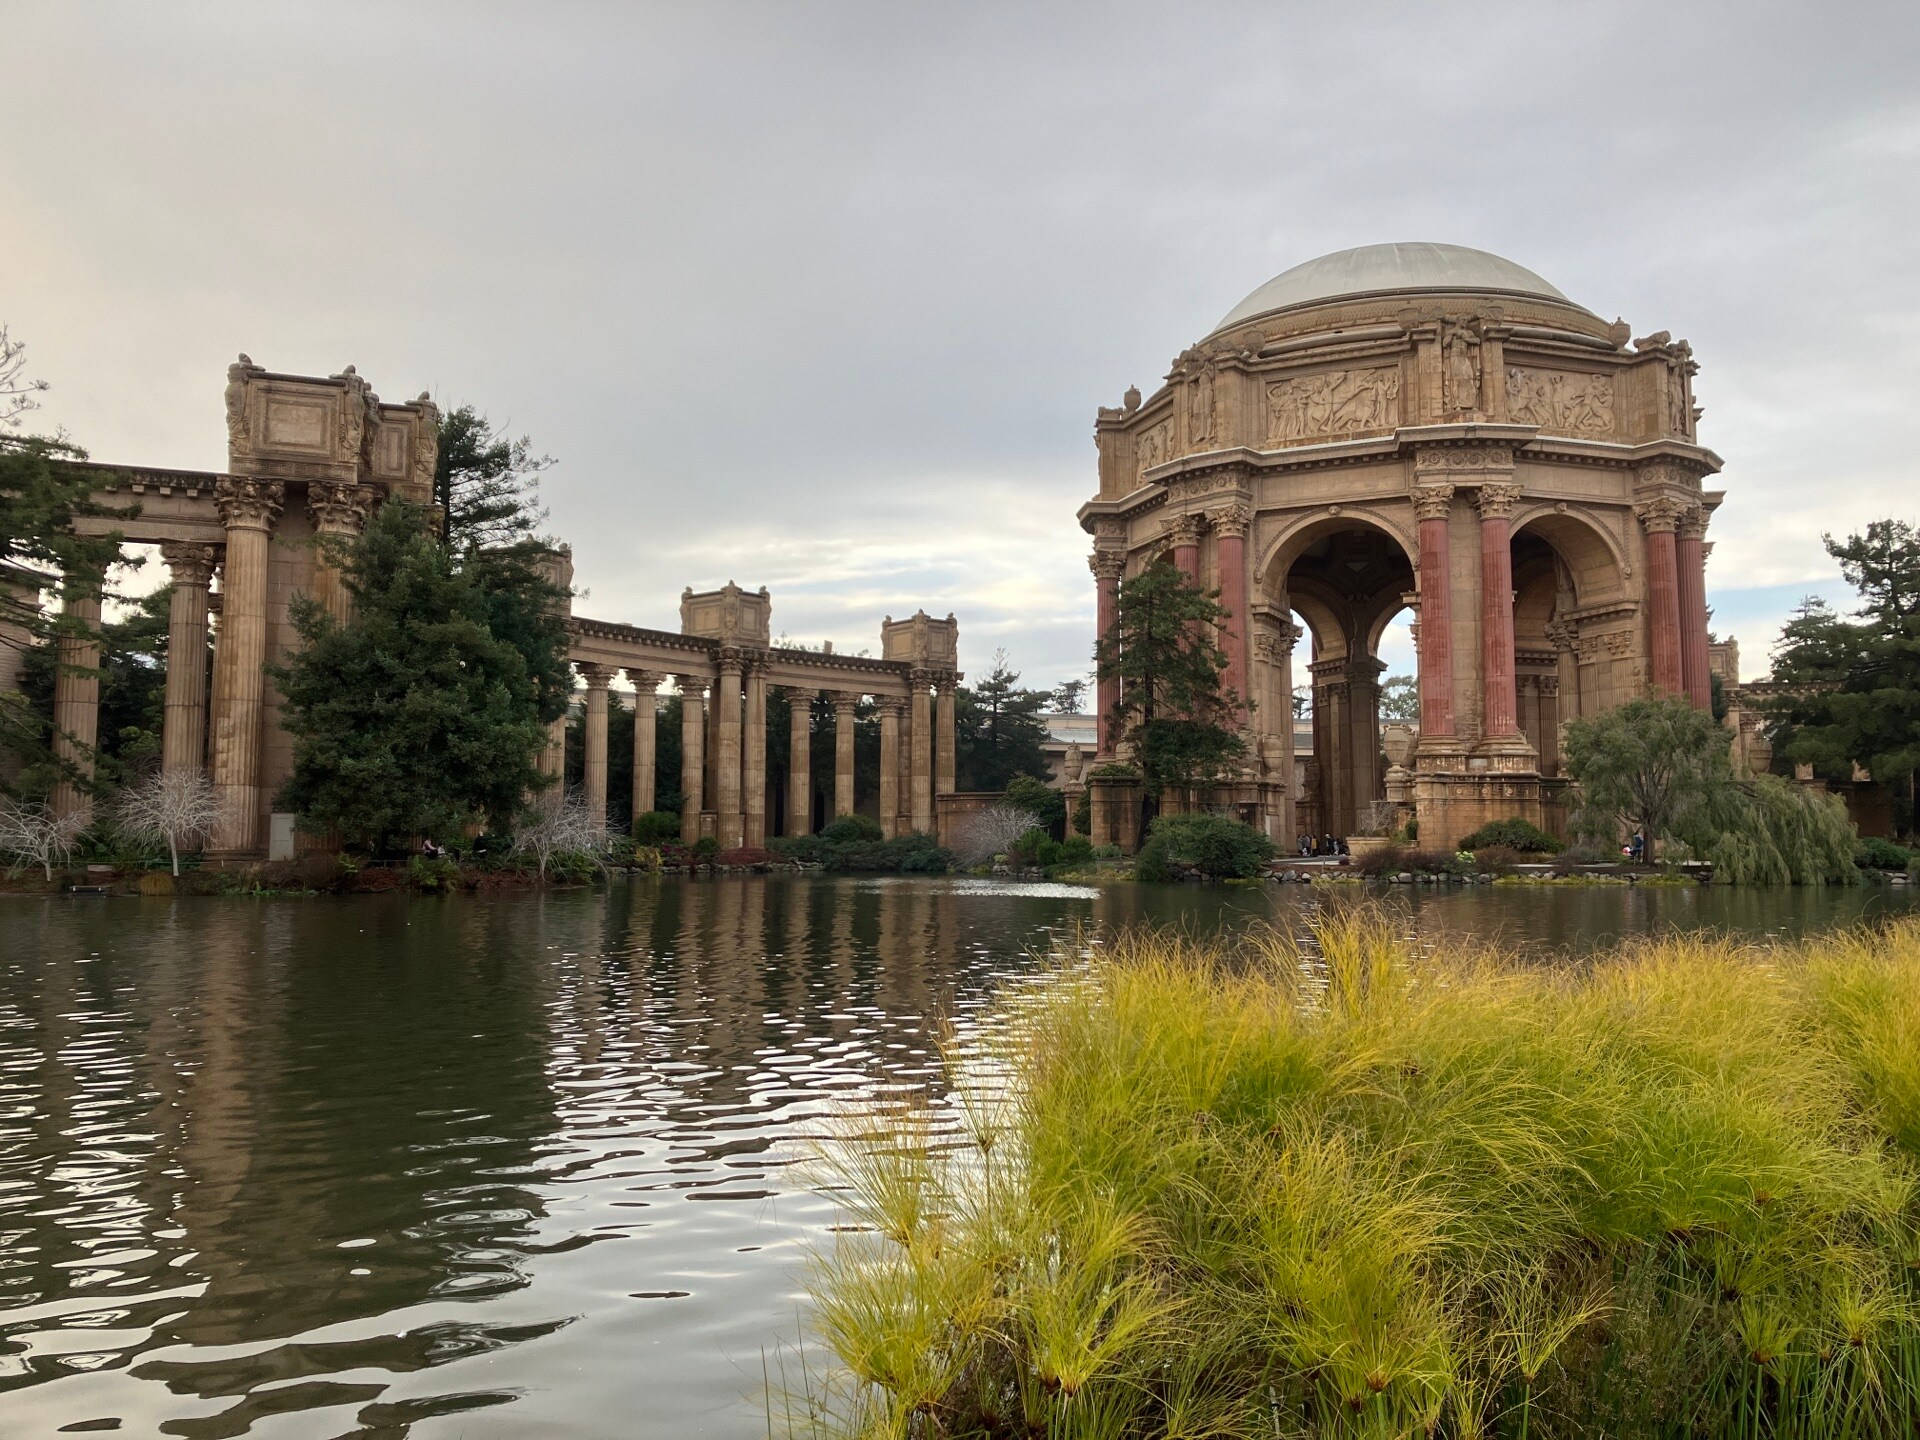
(1325, 845)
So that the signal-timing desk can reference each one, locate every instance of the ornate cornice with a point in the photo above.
(248, 504)
(191, 565)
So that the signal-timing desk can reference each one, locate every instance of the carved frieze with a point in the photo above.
(1153, 446)
(1571, 403)
(1334, 402)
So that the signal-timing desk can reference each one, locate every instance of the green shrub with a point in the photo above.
(1108, 851)
(1115, 770)
(655, 827)
(1040, 800)
(704, 849)
(852, 829)
(1499, 859)
(1512, 834)
(573, 867)
(1210, 845)
(430, 875)
(801, 849)
(1875, 853)
(914, 854)
(1026, 850)
(1083, 813)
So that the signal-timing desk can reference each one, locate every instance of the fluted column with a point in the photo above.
(1660, 517)
(944, 740)
(728, 822)
(799, 761)
(1499, 712)
(753, 761)
(843, 704)
(76, 698)
(183, 734)
(1433, 505)
(693, 734)
(1230, 527)
(249, 508)
(1548, 687)
(1690, 555)
(594, 766)
(339, 513)
(1107, 566)
(921, 725)
(890, 707)
(1184, 531)
(646, 724)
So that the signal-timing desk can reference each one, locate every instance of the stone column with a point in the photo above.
(646, 723)
(944, 740)
(594, 768)
(183, 743)
(1690, 554)
(1184, 531)
(843, 704)
(1107, 566)
(920, 724)
(1333, 744)
(1529, 694)
(728, 822)
(903, 780)
(1230, 526)
(76, 698)
(693, 734)
(890, 707)
(799, 761)
(1660, 517)
(1548, 687)
(1433, 505)
(249, 508)
(753, 763)
(339, 513)
(1499, 712)
(1363, 723)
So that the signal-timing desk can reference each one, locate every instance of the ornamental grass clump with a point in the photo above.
(1343, 1187)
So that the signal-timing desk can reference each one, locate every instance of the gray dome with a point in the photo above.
(1385, 269)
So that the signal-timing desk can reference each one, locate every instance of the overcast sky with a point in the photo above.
(822, 297)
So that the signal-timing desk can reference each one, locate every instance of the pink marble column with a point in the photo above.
(1432, 504)
(1660, 517)
(1230, 525)
(1499, 712)
(1186, 545)
(1690, 554)
(1107, 566)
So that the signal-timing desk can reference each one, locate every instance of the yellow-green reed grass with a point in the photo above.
(1344, 1186)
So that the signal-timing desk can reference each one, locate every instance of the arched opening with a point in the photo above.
(1565, 573)
(1345, 581)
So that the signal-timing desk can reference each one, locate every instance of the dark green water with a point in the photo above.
(519, 1166)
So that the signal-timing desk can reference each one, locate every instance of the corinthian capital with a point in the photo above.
(1232, 522)
(247, 504)
(1432, 502)
(1693, 523)
(1659, 515)
(1107, 564)
(598, 677)
(191, 564)
(1496, 499)
(339, 509)
(1184, 530)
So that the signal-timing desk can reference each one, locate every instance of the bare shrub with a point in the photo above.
(990, 832)
(558, 823)
(177, 809)
(31, 834)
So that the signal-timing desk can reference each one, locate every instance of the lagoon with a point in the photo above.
(518, 1164)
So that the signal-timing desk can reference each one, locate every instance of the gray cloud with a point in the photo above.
(823, 297)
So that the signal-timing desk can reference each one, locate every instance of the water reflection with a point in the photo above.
(504, 1166)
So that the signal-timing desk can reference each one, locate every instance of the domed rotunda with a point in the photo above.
(1415, 427)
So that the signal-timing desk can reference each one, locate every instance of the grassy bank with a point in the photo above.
(1342, 1189)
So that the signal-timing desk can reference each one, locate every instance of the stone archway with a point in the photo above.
(1346, 577)
(1569, 595)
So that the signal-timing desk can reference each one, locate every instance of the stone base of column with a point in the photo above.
(1505, 755)
(1450, 807)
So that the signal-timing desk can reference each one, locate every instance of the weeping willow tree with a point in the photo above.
(1663, 767)
(1784, 834)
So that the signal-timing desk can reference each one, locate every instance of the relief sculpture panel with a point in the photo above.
(1572, 404)
(1339, 402)
(1154, 446)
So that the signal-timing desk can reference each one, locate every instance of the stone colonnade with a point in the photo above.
(723, 748)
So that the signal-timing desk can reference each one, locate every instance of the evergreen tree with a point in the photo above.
(998, 729)
(1849, 690)
(414, 717)
(44, 490)
(1068, 696)
(1174, 711)
(1656, 765)
(1400, 698)
(486, 484)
